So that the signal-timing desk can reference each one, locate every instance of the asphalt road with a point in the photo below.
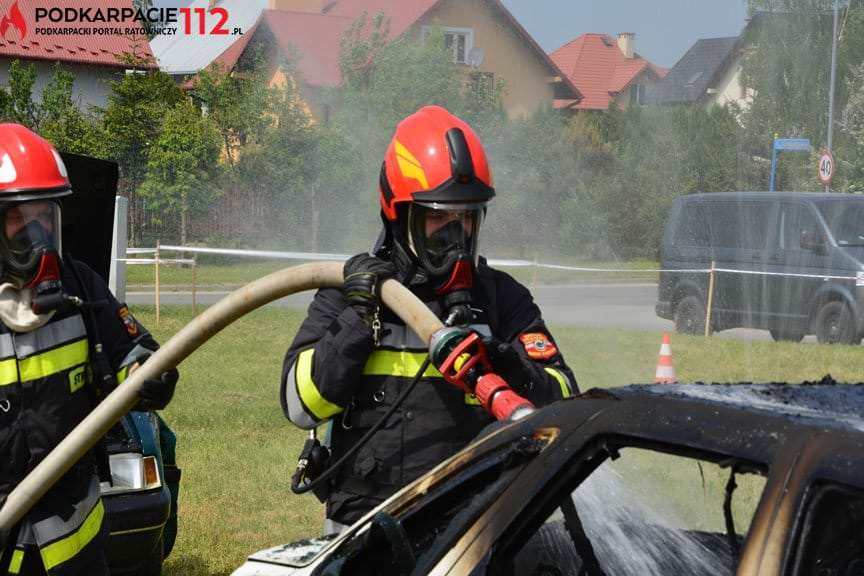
(625, 305)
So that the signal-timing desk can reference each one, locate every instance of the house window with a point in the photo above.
(637, 95)
(457, 40)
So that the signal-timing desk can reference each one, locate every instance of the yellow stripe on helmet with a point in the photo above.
(410, 166)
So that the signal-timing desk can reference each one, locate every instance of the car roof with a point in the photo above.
(817, 196)
(755, 425)
(824, 403)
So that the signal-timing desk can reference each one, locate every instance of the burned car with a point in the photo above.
(556, 493)
(141, 495)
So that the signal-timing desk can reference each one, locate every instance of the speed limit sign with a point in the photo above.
(825, 168)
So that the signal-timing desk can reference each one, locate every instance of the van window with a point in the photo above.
(845, 220)
(736, 225)
(739, 225)
(794, 220)
(692, 227)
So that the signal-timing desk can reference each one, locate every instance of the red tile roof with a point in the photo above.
(229, 57)
(402, 14)
(599, 70)
(317, 36)
(97, 50)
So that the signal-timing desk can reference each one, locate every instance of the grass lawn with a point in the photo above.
(238, 452)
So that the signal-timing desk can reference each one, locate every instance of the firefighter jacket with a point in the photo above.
(334, 370)
(46, 388)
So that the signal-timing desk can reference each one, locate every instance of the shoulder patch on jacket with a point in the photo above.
(128, 320)
(538, 346)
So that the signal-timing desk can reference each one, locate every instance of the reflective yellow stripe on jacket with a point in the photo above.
(68, 547)
(320, 407)
(53, 361)
(401, 363)
(8, 371)
(562, 381)
(17, 560)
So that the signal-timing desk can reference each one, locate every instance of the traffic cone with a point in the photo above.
(665, 370)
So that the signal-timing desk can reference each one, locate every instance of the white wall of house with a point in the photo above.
(730, 89)
(92, 83)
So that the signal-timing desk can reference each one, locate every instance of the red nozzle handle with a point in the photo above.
(498, 398)
(472, 352)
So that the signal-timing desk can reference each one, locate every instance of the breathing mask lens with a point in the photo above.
(442, 233)
(30, 230)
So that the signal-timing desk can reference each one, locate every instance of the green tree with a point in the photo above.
(240, 105)
(627, 168)
(789, 73)
(64, 123)
(57, 116)
(181, 166)
(137, 105)
(852, 125)
(17, 99)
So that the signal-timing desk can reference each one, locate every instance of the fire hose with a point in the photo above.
(461, 368)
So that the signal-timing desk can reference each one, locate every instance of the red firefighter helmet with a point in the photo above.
(434, 187)
(30, 167)
(434, 157)
(32, 178)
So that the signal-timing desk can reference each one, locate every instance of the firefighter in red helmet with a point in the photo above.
(65, 341)
(352, 357)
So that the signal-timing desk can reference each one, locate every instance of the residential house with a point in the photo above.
(182, 55)
(606, 71)
(708, 75)
(93, 59)
(485, 38)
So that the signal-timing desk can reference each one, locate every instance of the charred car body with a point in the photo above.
(511, 503)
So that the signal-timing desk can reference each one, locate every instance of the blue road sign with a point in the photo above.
(786, 145)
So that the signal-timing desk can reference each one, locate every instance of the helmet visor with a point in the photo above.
(29, 228)
(440, 233)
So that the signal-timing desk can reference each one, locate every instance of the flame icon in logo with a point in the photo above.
(13, 19)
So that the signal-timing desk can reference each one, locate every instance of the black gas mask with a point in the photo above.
(31, 257)
(444, 239)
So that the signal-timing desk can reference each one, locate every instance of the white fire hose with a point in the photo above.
(240, 302)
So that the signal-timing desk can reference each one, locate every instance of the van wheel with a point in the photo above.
(690, 316)
(786, 336)
(835, 324)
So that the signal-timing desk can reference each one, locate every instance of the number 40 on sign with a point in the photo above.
(825, 167)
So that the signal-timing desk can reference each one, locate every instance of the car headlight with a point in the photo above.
(132, 472)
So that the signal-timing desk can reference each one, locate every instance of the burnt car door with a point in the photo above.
(830, 537)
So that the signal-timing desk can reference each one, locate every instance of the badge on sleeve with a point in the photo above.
(538, 346)
(128, 321)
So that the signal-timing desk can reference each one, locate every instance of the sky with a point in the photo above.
(665, 29)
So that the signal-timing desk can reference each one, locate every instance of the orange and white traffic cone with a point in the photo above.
(665, 370)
